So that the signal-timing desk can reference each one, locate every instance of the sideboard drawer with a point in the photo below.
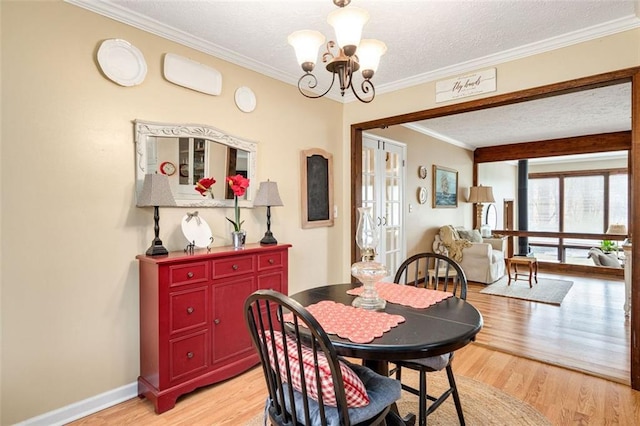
(270, 260)
(190, 273)
(224, 268)
(188, 309)
(188, 355)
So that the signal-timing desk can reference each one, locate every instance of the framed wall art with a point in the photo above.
(317, 188)
(445, 187)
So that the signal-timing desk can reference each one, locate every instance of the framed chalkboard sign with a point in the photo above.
(317, 188)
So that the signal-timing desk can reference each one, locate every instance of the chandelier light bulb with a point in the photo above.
(369, 53)
(306, 44)
(348, 22)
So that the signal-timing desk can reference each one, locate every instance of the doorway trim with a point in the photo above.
(585, 83)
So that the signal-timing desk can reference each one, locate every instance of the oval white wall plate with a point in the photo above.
(192, 75)
(122, 62)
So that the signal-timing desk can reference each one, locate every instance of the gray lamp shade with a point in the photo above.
(481, 194)
(156, 191)
(617, 229)
(268, 195)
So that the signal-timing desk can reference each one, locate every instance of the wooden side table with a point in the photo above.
(532, 264)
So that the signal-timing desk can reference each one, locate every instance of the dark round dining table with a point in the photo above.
(441, 328)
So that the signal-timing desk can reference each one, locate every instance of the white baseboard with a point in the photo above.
(83, 408)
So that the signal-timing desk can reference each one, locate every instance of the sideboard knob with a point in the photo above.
(189, 274)
(234, 267)
(189, 355)
(190, 310)
(271, 261)
(216, 321)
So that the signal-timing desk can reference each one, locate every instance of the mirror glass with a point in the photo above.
(187, 153)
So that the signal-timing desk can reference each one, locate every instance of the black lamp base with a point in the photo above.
(156, 249)
(268, 239)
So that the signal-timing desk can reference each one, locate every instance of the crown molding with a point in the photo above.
(439, 136)
(136, 20)
(597, 31)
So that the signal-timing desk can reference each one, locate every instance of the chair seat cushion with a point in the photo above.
(355, 390)
(382, 391)
(434, 363)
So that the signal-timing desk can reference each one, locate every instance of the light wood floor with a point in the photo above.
(588, 332)
(592, 311)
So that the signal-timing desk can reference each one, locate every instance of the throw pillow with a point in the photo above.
(472, 235)
(355, 390)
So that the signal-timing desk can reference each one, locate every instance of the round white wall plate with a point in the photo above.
(245, 99)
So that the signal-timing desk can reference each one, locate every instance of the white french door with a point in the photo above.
(383, 180)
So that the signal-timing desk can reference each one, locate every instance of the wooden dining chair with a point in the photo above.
(330, 391)
(444, 274)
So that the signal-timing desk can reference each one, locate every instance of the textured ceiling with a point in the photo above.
(426, 40)
(602, 110)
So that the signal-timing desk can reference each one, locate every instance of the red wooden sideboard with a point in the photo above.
(192, 328)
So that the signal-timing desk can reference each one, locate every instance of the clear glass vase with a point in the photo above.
(368, 271)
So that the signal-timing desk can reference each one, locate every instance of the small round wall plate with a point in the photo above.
(422, 172)
(196, 231)
(245, 99)
(422, 195)
(122, 62)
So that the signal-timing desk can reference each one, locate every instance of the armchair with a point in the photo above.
(481, 261)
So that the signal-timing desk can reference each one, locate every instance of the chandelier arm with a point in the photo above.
(366, 86)
(313, 82)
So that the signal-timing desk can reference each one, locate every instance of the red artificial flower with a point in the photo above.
(204, 185)
(238, 184)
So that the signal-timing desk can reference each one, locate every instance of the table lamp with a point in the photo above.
(478, 195)
(156, 192)
(617, 229)
(268, 196)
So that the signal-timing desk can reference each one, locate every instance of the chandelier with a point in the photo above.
(351, 54)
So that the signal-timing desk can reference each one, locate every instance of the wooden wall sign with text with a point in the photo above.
(468, 85)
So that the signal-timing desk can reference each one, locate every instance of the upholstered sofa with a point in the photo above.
(481, 261)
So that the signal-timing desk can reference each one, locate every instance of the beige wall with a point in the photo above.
(423, 221)
(70, 230)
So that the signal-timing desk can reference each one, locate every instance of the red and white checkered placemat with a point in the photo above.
(355, 324)
(406, 295)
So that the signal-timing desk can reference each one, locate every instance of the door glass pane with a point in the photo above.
(584, 204)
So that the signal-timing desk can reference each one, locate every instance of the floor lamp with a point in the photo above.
(478, 195)
(156, 192)
(268, 196)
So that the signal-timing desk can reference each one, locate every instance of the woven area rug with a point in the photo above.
(546, 290)
(482, 404)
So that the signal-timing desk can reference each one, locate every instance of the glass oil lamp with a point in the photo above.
(368, 271)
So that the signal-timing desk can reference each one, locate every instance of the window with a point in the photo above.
(577, 202)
